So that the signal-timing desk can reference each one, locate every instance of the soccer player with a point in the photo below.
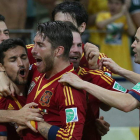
(13, 61)
(63, 107)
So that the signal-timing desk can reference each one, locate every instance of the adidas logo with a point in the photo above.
(10, 107)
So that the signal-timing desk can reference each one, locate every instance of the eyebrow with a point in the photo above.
(6, 30)
(40, 43)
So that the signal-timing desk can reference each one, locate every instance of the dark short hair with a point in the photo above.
(75, 9)
(58, 34)
(8, 44)
(2, 18)
(72, 27)
(122, 1)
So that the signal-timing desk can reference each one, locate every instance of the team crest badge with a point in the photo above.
(45, 98)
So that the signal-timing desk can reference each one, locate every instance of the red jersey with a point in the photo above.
(99, 78)
(62, 106)
(10, 103)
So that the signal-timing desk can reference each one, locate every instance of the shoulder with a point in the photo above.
(29, 46)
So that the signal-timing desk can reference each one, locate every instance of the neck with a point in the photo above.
(21, 90)
(58, 66)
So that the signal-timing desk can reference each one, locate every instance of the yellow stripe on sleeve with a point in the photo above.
(65, 96)
(68, 132)
(101, 77)
(68, 95)
(72, 100)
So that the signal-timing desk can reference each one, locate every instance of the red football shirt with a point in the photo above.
(62, 106)
(11, 103)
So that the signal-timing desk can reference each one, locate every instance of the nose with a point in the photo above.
(74, 48)
(20, 62)
(134, 44)
(34, 50)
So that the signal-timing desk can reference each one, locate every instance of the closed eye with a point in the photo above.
(24, 56)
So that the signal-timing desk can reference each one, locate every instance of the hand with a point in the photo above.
(102, 126)
(92, 55)
(109, 64)
(27, 114)
(7, 87)
(72, 79)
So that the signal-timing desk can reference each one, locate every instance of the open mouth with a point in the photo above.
(74, 58)
(38, 60)
(134, 52)
(22, 72)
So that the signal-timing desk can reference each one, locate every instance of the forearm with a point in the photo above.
(8, 116)
(44, 128)
(104, 23)
(122, 101)
(131, 28)
(129, 75)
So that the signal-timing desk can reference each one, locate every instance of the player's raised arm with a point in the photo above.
(124, 102)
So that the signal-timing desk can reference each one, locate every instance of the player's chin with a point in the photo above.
(25, 80)
(41, 70)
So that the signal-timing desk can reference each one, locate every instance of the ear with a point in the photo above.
(82, 27)
(2, 67)
(59, 51)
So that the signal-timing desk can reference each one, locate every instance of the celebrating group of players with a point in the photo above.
(37, 75)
